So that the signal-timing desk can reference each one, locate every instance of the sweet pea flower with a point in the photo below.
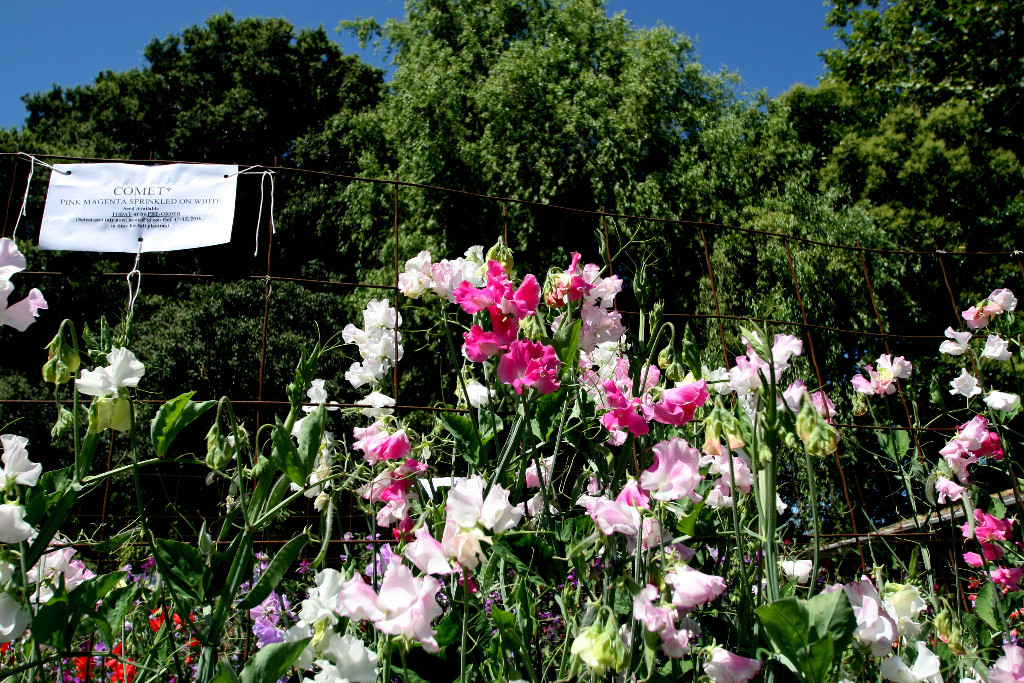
(467, 506)
(996, 348)
(948, 490)
(530, 364)
(123, 370)
(417, 277)
(612, 516)
(988, 528)
(17, 468)
(726, 667)
(965, 385)
(926, 667)
(14, 618)
(883, 380)
(427, 553)
(409, 606)
(903, 602)
(13, 528)
(1010, 667)
(377, 404)
(1004, 299)
(978, 317)
(23, 313)
(346, 658)
(533, 480)
(998, 400)
(798, 570)
(1007, 578)
(691, 588)
(957, 343)
(675, 472)
(678, 405)
(633, 494)
(876, 629)
(479, 395)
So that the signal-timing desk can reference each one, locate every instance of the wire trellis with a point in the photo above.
(807, 327)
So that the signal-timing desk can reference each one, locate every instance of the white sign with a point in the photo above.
(110, 207)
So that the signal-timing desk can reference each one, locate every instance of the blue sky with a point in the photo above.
(771, 43)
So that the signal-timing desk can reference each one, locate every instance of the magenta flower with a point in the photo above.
(1007, 578)
(677, 406)
(988, 528)
(726, 667)
(530, 364)
(611, 516)
(675, 472)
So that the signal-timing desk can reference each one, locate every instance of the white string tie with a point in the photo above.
(133, 289)
(259, 216)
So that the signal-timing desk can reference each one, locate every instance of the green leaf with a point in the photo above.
(831, 614)
(270, 663)
(286, 456)
(567, 345)
(275, 572)
(815, 661)
(691, 353)
(467, 441)
(688, 524)
(173, 417)
(65, 614)
(65, 421)
(525, 560)
(407, 675)
(225, 674)
(311, 436)
(83, 460)
(449, 628)
(787, 624)
(985, 606)
(181, 566)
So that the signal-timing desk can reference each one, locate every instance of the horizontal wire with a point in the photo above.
(559, 207)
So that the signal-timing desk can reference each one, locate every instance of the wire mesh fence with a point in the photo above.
(252, 364)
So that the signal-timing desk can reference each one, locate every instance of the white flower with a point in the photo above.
(996, 348)
(17, 468)
(479, 395)
(800, 570)
(957, 343)
(11, 259)
(378, 404)
(998, 400)
(926, 667)
(717, 379)
(13, 528)
(1004, 299)
(965, 385)
(349, 660)
(317, 395)
(13, 618)
(903, 602)
(123, 370)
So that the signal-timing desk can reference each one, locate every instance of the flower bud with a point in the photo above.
(641, 286)
(219, 449)
(718, 424)
(62, 360)
(502, 254)
(600, 647)
(205, 541)
(819, 437)
(860, 404)
(531, 328)
(556, 288)
(109, 413)
(948, 630)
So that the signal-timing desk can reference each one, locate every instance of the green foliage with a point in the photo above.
(811, 636)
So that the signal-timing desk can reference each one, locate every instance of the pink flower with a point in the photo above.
(530, 364)
(409, 605)
(675, 472)
(973, 559)
(875, 627)
(599, 325)
(23, 313)
(467, 506)
(567, 285)
(546, 465)
(633, 495)
(622, 415)
(1010, 667)
(726, 667)
(678, 405)
(691, 588)
(654, 619)
(948, 490)
(871, 386)
(611, 516)
(523, 301)
(473, 299)
(479, 345)
(1007, 578)
(427, 553)
(357, 601)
